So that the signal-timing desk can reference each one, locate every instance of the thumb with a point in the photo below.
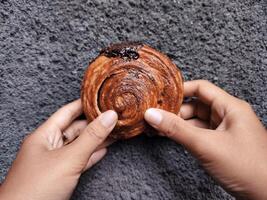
(176, 128)
(94, 134)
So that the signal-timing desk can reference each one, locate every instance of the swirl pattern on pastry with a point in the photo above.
(129, 78)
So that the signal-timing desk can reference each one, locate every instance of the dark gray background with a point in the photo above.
(45, 46)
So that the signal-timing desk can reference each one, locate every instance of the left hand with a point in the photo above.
(51, 160)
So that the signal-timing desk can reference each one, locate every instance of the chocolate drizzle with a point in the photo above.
(125, 50)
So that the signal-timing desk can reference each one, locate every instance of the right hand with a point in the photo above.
(223, 133)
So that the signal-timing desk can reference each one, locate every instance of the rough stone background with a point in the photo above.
(45, 46)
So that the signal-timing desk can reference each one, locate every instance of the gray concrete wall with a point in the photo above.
(45, 46)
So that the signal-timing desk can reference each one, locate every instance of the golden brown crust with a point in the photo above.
(130, 78)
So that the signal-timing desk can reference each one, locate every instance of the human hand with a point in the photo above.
(51, 160)
(223, 133)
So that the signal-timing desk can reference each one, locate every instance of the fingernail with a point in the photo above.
(153, 116)
(108, 118)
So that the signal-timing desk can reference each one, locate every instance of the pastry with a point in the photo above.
(129, 78)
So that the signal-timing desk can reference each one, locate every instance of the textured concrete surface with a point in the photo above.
(45, 47)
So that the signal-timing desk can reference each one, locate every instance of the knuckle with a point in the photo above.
(244, 105)
(204, 83)
(201, 86)
(95, 130)
(171, 128)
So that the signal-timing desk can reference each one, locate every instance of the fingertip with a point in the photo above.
(108, 119)
(115, 114)
(153, 116)
(112, 112)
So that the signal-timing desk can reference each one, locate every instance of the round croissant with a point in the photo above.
(129, 78)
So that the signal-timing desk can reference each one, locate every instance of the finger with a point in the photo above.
(205, 91)
(94, 134)
(220, 101)
(64, 116)
(74, 130)
(176, 128)
(95, 158)
(195, 108)
(198, 123)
